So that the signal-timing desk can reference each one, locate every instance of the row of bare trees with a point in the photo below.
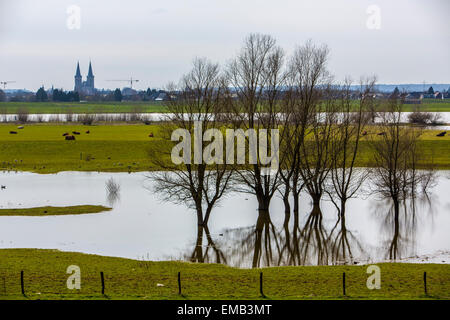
(322, 135)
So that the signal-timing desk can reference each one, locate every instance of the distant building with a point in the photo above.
(415, 95)
(439, 95)
(128, 91)
(86, 87)
(162, 96)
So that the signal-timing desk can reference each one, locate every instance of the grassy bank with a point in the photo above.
(45, 278)
(53, 211)
(429, 105)
(124, 148)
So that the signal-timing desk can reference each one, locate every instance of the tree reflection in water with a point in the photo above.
(399, 231)
(209, 253)
(311, 241)
(344, 244)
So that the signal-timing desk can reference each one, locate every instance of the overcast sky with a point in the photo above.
(155, 41)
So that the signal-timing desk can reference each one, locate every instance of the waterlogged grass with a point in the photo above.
(43, 149)
(125, 148)
(53, 211)
(45, 277)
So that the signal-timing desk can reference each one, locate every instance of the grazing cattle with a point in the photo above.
(65, 134)
(381, 133)
(70, 138)
(13, 132)
(441, 134)
(151, 135)
(364, 133)
(88, 132)
(75, 132)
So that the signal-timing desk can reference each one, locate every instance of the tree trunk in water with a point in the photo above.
(198, 251)
(262, 223)
(296, 229)
(287, 209)
(316, 212)
(316, 231)
(296, 210)
(394, 244)
(343, 230)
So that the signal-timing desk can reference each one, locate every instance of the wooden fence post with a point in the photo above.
(261, 285)
(179, 283)
(425, 282)
(343, 283)
(103, 282)
(22, 286)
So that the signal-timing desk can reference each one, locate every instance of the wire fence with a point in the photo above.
(28, 287)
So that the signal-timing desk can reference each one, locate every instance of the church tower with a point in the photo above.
(78, 82)
(90, 78)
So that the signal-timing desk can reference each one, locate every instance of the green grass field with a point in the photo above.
(430, 105)
(53, 211)
(82, 107)
(123, 148)
(45, 277)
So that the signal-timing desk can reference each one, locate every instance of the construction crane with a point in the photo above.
(130, 81)
(4, 83)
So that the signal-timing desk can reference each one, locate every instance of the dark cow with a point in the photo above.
(75, 132)
(65, 134)
(88, 132)
(151, 135)
(382, 133)
(13, 132)
(441, 134)
(364, 133)
(70, 138)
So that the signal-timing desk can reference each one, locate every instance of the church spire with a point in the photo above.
(90, 74)
(78, 73)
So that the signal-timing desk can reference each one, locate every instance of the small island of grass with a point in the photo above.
(53, 211)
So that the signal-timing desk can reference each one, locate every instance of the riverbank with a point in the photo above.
(42, 148)
(45, 278)
(53, 211)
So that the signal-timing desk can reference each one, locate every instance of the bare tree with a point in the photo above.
(345, 180)
(23, 115)
(397, 155)
(256, 78)
(194, 106)
(306, 73)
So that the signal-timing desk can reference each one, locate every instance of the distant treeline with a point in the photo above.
(57, 95)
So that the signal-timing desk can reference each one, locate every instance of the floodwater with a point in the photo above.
(109, 117)
(140, 226)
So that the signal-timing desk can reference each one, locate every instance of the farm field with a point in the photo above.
(45, 278)
(429, 105)
(82, 107)
(41, 148)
